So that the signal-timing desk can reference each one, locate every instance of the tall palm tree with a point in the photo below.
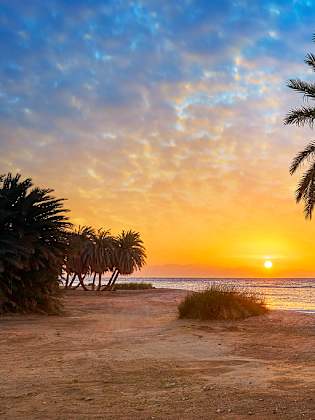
(102, 255)
(33, 241)
(79, 254)
(129, 255)
(304, 115)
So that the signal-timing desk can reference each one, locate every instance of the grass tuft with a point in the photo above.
(222, 303)
(133, 286)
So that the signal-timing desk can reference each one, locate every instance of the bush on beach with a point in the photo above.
(221, 303)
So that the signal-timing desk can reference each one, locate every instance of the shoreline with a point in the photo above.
(302, 311)
(126, 355)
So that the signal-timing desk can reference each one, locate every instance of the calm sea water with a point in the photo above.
(289, 294)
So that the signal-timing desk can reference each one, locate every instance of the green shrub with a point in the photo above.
(133, 286)
(221, 302)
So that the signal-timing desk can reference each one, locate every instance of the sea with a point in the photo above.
(291, 294)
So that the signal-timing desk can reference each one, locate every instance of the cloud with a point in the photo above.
(155, 115)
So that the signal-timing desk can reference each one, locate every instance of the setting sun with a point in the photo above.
(268, 264)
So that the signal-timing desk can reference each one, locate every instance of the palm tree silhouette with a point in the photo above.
(33, 241)
(79, 255)
(304, 115)
(102, 255)
(129, 255)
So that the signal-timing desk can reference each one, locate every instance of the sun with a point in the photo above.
(268, 264)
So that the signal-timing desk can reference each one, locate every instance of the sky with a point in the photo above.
(165, 117)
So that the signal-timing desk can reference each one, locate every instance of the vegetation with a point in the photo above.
(38, 247)
(128, 255)
(78, 255)
(301, 116)
(33, 241)
(133, 286)
(221, 303)
(102, 257)
(95, 253)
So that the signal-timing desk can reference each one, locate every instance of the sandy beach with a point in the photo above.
(125, 355)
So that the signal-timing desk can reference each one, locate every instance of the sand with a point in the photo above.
(125, 355)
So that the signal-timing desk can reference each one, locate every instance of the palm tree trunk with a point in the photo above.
(81, 282)
(93, 284)
(67, 281)
(72, 280)
(99, 281)
(110, 280)
(114, 280)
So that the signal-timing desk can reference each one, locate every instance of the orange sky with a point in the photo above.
(201, 231)
(167, 119)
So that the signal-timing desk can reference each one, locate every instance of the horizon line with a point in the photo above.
(218, 278)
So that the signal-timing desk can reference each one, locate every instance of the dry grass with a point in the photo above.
(133, 286)
(221, 302)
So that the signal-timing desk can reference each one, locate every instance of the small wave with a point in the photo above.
(263, 286)
(305, 311)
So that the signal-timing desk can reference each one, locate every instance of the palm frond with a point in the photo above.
(310, 60)
(130, 253)
(306, 191)
(309, 205)
(302, 156)
(32, 245)
(308, 89)
(301, 116)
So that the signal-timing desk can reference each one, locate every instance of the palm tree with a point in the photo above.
(79, 254)
(301, 116)
(129, 255)
(33, 241)
(102, 255)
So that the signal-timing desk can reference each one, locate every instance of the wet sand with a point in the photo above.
(125, 355)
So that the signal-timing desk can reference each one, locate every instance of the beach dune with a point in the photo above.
(125, 355)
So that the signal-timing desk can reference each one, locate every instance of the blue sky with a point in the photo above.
(104, 53)
(144, 113)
